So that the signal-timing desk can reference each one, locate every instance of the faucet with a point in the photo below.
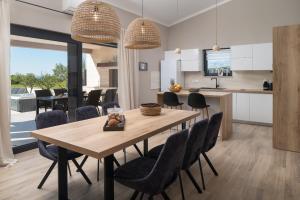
(215, 78)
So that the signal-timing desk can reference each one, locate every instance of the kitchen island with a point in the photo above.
(219, 102)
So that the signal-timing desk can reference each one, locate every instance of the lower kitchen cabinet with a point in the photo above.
(261, 108)
(253, 107)
(242, 106)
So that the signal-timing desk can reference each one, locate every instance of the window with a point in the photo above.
(217, 63)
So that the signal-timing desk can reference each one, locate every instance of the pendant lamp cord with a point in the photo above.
(216, 21)
(178, 9)
(142, 8)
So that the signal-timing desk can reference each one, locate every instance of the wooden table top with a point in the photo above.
(205, 93)
(87, 137)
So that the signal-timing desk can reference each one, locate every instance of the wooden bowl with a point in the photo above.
(174, 90)
(150, 109)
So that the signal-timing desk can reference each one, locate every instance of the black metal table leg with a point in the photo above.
(109, 177)
(62, 174)
(183, 125)
(145, 147)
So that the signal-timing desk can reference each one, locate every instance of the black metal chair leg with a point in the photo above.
(69, 169)
(165, 196)
(116, 162)
(181, 186)
(138, 150)
(193, 181)
(47, 175)
(201, 172)
(82, 172)
(134, 195)
(210, 164)
(82, 162)
(98, 168)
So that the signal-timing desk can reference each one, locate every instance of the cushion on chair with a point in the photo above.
(53, 150)
(154, 153)
(135, 169)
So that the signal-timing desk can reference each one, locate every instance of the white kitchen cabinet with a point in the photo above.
(242, 106)
(234, 111)
(191, 60)
(241, 57)
(263, 56)
(190, 65)
(242, 51)
(252, 107)
(190, 54)
(171, 55)
(252, 57)
(241, 64)
(261, 108)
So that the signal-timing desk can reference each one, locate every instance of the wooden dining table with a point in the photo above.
(88, 138)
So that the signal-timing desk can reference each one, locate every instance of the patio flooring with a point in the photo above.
(22, 124)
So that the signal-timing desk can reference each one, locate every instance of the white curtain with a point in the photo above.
(128, 90)
(6, 155)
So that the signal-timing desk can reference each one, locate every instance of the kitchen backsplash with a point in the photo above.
(239, 80)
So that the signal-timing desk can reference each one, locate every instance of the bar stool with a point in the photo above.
(170, 99)
(197, 102)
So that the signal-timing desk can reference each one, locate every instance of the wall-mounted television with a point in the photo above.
(217, 63)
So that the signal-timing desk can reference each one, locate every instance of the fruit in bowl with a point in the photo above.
(175, 87)
(114, 119)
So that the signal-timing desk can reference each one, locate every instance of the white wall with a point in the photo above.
(92, 75)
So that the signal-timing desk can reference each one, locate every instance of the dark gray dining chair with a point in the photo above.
(195, 144)
(211, 139)
(49, 151)
(84, 113)
(152, 177)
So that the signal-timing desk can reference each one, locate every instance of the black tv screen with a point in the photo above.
(217, 63)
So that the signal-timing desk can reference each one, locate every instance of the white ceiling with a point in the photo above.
(165, 11)
(161, 11)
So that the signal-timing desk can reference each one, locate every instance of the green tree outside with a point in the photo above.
(58, 79)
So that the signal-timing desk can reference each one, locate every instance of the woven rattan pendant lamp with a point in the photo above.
(95, 22)
(142, 34)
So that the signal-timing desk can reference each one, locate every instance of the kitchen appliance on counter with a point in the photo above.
(268, 85)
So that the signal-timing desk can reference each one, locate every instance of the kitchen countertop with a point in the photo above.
(236, 90)
(206, 93)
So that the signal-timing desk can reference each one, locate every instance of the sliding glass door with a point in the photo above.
(35, 65)
(41, 59)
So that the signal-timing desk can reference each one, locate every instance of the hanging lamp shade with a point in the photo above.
(142, 34)
(95, 22)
